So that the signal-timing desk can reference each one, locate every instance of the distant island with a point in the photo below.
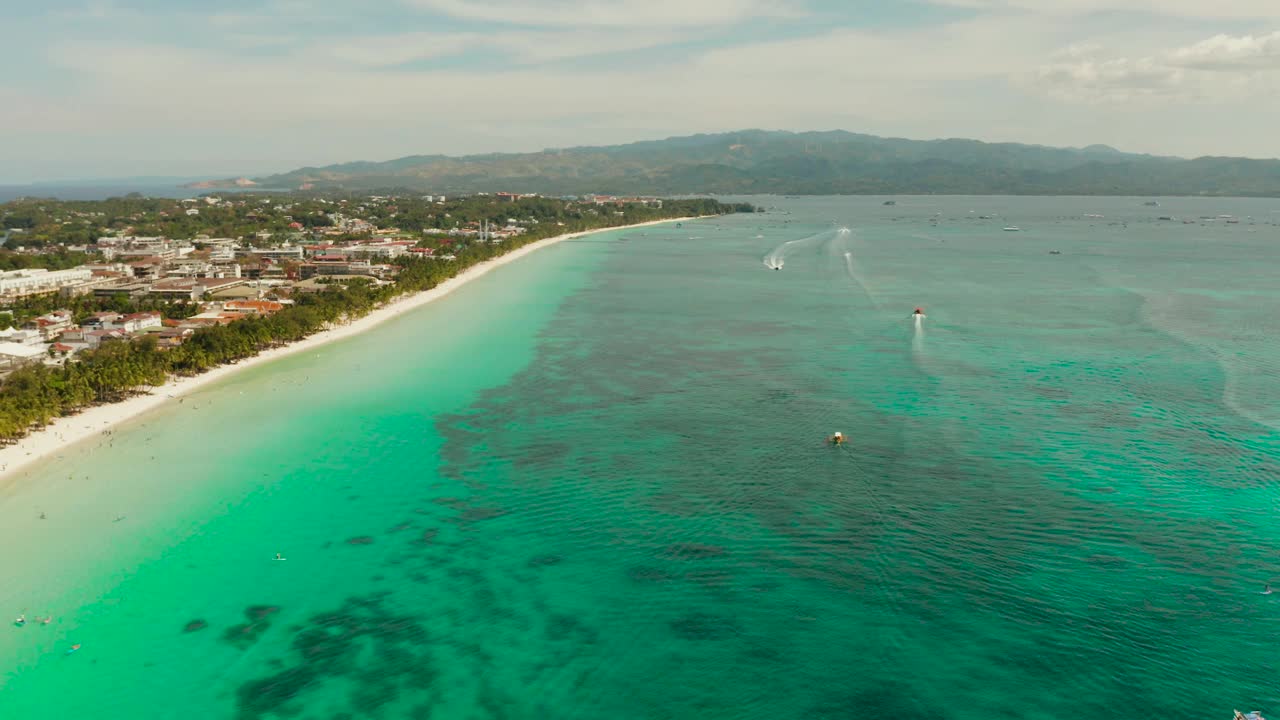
(810, 163)
(240, 182)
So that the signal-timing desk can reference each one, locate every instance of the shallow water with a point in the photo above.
(594, 484)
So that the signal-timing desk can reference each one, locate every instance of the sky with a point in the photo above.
(126, 88)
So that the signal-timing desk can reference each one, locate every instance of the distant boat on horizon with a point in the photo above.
(1151, 203)
(1013, 228)
(890, 202)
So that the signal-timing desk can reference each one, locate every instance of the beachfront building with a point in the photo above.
(52, 324)
(21, 337)
(121, 287)
(252, 307)
(172, 337)
(191, 288)
(14, 355)
(88, 287)
(38, 281)
(337, 265)
(284, 252)
(95, 338)
(390, 249)
(134, 322)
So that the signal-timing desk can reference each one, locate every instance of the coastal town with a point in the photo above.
(101, 300)
(165, 269)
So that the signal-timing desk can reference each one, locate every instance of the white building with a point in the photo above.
(38, 281)
(13, 355)
(382, 251)
(21, 337)
(284, 252)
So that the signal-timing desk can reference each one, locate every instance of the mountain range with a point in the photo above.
(834, 162)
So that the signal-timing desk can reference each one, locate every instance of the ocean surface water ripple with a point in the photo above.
(594, 484)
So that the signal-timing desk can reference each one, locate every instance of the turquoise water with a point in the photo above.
(594, 484)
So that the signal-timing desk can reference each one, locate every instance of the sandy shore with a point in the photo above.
(66, 431)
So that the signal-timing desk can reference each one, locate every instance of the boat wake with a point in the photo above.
(777, 257)
(842, 246)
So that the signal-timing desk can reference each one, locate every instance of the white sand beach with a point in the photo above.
(62, 433)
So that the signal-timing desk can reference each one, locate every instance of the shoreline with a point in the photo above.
(65, 432)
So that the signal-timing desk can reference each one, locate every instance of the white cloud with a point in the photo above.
(1083, 73)
(1118, 79)
(1142, 86)
(1225, 52)
(615, 13)
(521, 46)
(1219, 9)
(388, 50)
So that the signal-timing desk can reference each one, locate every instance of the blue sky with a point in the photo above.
(110, 88)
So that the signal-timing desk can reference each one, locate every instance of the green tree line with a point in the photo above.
(34, 395)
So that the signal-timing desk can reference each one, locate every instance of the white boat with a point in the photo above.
(1251, 715)
(1013, 228)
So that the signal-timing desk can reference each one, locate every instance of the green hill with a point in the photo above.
(836, 162)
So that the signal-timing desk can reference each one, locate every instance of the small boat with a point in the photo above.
(836, 439)
(1251, 715)
(1013, 228)
(890, 202)
(1151, 203)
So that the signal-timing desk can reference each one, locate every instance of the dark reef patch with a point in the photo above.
(381, 654)
(427, 537)
(695, 551)
(705, 626)
(256, 613)
(244, 635)
(646, 574)
(360, 540)
(195, 625)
